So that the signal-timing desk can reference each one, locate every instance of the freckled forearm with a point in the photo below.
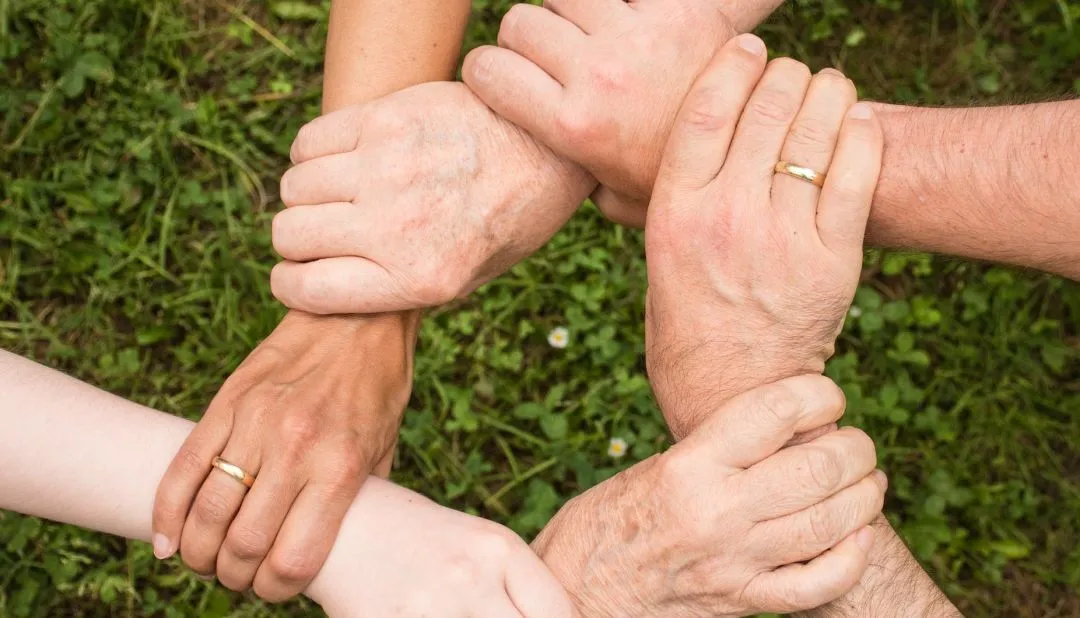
(996, 184)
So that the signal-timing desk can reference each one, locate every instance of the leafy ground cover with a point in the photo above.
(140, 144)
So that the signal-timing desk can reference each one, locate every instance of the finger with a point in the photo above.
(383, 468)
(255, 527)
(698, 145)
(764, 125)
(516, 89)
(543, 38)
(811, 143)
(304, 541)
(215, 506)
(589, 15)
(333, 178)
(334, 133)
(811, 531)
(800, 476)
(305, 233)
(339, 286)
(535, 591)
(824, 579)
(849, 188)
(812, 435)
(758, 423)
(184, 477)
(619, 209)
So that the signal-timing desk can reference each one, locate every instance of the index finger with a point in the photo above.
(332, 133)
(758, 423)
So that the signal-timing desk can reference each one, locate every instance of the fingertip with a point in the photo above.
(861, 111)
(164, 548)
(751, 44)
(865, 538)
(477, 67)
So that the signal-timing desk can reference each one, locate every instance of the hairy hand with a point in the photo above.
(751, 272)
(413, 201)
(722, 523)
(310, 413)
(600, 81)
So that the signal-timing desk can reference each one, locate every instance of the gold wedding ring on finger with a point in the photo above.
(804, 174)
(234, 471)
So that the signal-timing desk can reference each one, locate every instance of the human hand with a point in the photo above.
(720, 523)
(312, 411)
(412, 201)
(401, 555)
(751, 273)
(600, 81)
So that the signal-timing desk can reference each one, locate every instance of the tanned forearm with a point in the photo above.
(377, 47)
(996, 184)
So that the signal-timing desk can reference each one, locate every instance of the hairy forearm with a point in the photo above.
(377, 47)
(72, 453)
(996, 184)
(894, 586)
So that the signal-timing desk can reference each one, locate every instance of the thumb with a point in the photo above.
(755, 425)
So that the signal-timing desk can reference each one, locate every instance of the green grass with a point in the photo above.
(140, 143)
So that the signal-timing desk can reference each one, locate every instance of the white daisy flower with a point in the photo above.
(559, 338)
(616, 448)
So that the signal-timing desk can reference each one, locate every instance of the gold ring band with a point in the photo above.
(234, 471)
(802, 173)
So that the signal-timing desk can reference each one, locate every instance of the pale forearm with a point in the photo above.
(377, 47)
(894, 586)
(996, 184)
(72, 453)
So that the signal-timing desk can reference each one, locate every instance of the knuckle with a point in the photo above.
(824, 468)
(298, 430)
(576, 124)
(213, 506)
(248, 544)
(293, 566)
(813, 132)
(772, 106)
(822, 525)
(781, 402)
(510, 27)
(388, 120)
(705, 111)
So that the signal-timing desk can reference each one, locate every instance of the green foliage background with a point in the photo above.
(140, 143)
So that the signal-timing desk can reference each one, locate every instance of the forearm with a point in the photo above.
(75, 454)
(377, 47)
(893, 586)
(995, 184)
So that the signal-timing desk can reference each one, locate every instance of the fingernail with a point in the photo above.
(882, 479)
(861, 111)
(832, 71)
(752, 44)
(865, 538)
(162, 546)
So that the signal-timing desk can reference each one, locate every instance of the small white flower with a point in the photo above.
(854, 312)
(616, 448)
(559, 338)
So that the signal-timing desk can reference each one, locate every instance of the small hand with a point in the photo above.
(413, 201)
(310, 413)
(722, 523)
(401, 555)
(752, 272)
(600, 81)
